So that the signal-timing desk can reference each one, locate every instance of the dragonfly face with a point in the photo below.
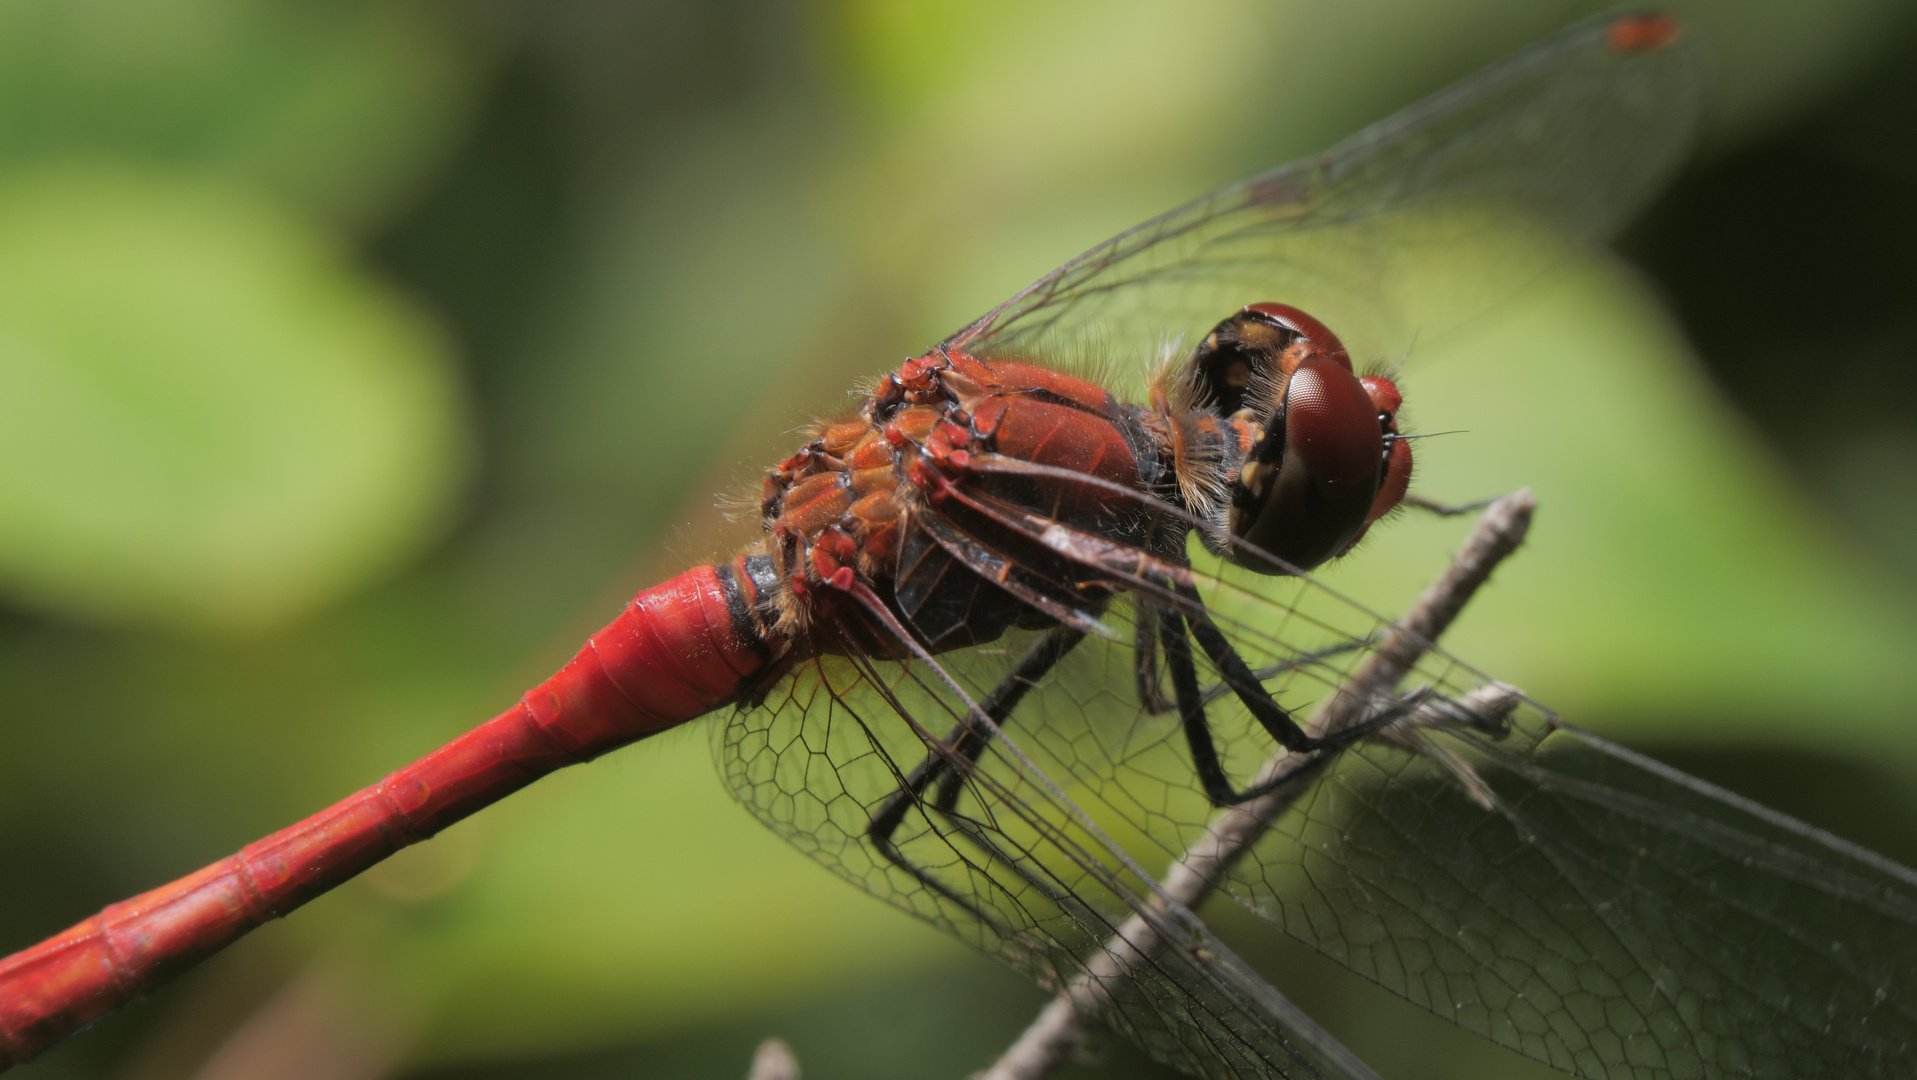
(1318, 453)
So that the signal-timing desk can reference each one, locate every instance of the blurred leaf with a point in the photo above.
(1055, 125)
(338, 106)
(209, 418)
(632, 896)
(623, 900)
(1778, 58)
(1064, 122)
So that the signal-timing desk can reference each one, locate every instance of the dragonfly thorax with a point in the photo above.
(921, 498)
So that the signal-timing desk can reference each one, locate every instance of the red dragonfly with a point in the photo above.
(1006, 638)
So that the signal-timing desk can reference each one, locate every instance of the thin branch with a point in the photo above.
(1060, 1028)
(774, 1060)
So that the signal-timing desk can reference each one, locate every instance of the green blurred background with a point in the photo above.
(358, 358)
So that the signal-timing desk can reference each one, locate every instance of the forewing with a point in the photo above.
(1011, 867)
(1534, 884)
(1606, 915)
(1409, 227)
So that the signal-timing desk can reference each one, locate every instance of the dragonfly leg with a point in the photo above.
(1245, 684)
(961, 748)
(1044, 654)
(969, 737)
(1175, 635)
(1151, 694)
(1191, 710)
(1233, 672)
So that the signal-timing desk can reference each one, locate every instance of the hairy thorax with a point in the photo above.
(921, 497)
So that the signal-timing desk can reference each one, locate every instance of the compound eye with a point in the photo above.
(1246, 358)
(1306, 491)
(1323, 341)
(1396, 477)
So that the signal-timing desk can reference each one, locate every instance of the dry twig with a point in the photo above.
(774, 1060)
(1060, 1028)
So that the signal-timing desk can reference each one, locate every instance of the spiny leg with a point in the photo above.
(969, 737)
(1151, 694)
(1234, 673)
(961, 749)
(1191, 711)
(1044, 654)
(1245, 685)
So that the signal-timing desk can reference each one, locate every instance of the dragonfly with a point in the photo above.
(1038, 614)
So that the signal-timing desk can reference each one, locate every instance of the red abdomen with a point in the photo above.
(678, 651)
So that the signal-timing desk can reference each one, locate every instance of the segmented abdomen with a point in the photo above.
(678, 651)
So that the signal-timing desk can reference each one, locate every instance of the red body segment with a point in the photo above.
(678, 651)
(1323, 342)
(1643, 32)
(1062, 437)
(1001, 376)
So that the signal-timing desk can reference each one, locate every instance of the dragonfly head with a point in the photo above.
(1318, 457)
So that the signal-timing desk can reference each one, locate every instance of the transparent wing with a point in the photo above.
(1407, 228)
(1011, 867)
(1531, 883)
(1607, 915)
(1579, 903)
